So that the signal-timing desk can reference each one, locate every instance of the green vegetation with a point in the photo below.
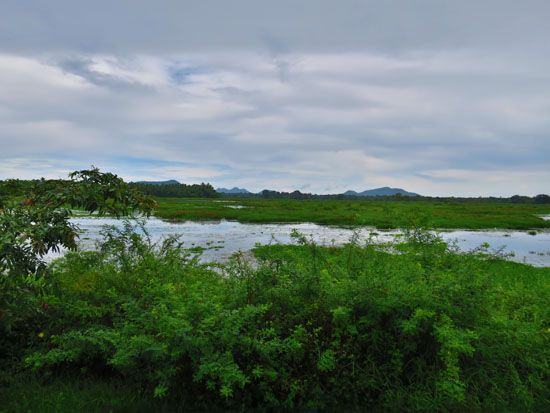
(379, 213)
(137, 327)
(17, 187)
(176, 190)
(38, 223)
(195, 202)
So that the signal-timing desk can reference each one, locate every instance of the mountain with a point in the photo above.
(234, 190)
(170, 182)
(384, 191)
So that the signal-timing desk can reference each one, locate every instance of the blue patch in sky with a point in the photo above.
(181, 74)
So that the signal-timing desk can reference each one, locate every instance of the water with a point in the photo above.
(223, 238)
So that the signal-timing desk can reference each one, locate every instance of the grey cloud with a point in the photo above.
(139, 26)
(437, 97)
(83, 67)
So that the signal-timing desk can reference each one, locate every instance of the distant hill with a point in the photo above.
(169, 182)
(384, 191)
(234, 190)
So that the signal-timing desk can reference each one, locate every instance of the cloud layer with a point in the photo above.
(438, 99)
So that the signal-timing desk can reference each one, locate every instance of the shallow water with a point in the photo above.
(223, 238)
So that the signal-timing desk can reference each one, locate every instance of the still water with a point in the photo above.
(223, 238)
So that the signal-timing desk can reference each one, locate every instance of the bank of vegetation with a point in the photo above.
(298, 195)
(20, 187)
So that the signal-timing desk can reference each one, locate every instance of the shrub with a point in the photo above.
(37, 224)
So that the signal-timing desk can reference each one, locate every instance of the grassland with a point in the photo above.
(378, 213)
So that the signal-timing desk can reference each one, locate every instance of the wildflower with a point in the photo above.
(41, 334)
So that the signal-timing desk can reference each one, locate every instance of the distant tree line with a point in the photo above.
(292, 195)
(539, 199)
(18, 187)
(268, 194)
(178, 190)
(516, 199)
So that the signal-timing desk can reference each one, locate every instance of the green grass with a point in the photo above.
(378, 213)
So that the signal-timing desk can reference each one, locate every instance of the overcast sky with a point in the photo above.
(438, 97)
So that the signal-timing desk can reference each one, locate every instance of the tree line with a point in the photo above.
(203, 190)
(19, 187)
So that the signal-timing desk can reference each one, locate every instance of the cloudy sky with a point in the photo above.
(440, 97)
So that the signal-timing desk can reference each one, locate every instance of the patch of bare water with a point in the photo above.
(221, 239)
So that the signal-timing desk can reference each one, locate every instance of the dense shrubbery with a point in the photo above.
(423, 328)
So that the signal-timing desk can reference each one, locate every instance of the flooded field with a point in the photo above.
(220, 239)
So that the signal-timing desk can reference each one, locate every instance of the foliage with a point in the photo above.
(177, 190)
(37, 224)
(542, 199)
(410, 326)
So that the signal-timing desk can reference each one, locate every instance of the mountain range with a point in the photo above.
(384, 191)
(169, 182)
(233, 190)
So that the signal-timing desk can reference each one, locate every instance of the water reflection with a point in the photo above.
(223, 238)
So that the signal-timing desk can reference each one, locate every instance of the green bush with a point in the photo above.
(34, 220)
(414, 326)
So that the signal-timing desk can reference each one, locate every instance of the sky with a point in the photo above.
(438, 97)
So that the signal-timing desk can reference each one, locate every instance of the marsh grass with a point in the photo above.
(377, 213)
